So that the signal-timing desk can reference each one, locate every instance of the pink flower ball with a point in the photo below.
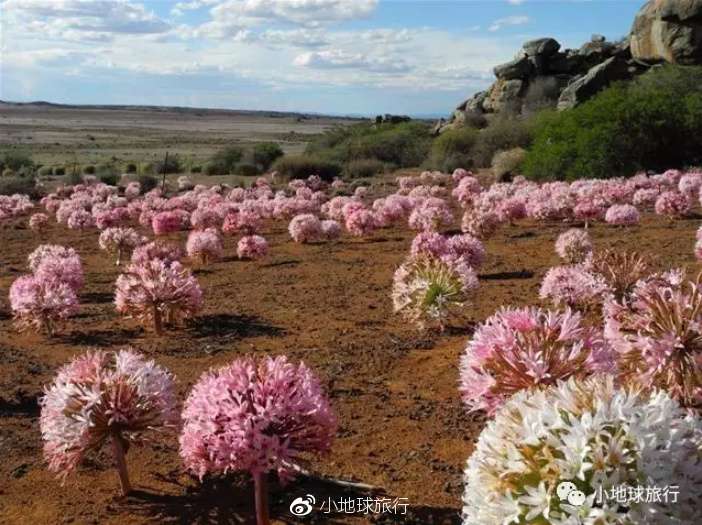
(573, 286)
(54, 262)
(432, 214)
(518, 349)
(38, 222)
(361, 223)
(467, 248)
(429, 243)
(331, 230)
(573, 246)
(622, 215)
(305, 228)
(673, 205)
(40, 303)
(252, 247)
(101, 395)
(256, 417)
(80, 220)
(205, 245)
(480, 224)
(167, 252)
(166, 222)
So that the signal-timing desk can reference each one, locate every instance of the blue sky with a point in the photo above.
(325, 56)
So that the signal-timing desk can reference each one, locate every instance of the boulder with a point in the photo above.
(541, 47)
(518, 68)
(595, 80)
(668, 30)
(505, 94)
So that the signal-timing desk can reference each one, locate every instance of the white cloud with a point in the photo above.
(297, 37)
(339, 59)
(516, 20)
(86, 16)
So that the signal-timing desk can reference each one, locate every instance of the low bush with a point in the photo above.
(196, 168)
(302, 166)
(507, 163)
(265, 154)
(44, 171)
(503, 133)
(652, 123)
(452, 145)
(167, 165)
(215, 168)
(89, 170)
(246, 169)
(363, 168)
(131, 167)
(59, 170)
(224, 161)
(8, 172)
(147, 182)
(16, 160)
(73, 178)
(13, 184)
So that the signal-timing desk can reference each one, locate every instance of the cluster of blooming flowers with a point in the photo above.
(104, 397)
(573, 246)
(120, 241)
(205, 246)
(14, 205)
(585, 436)
(49, 295)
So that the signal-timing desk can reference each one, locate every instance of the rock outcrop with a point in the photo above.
(542, 74)
(670, 31)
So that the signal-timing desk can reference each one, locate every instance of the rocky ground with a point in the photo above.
(402, 425)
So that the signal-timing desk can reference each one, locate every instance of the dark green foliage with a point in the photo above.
(302, 166)
(265, 154)
(131, 168)
(89, 170)
(452, 147)
(404, 145)
(25, 185)
(167, 165)
(215, 168)
(147, 182)
(73, 178)
(653, 123)
(196, 168)
(59, 170)
(44, 171)
(224, 161)
(503, 133)
(16, 160)
(363, 168)
(246, 169)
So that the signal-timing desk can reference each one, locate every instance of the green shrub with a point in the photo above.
(16, 160)
(131, 168)
(147, 169)
(147, 182)
(265, 154)
(89, 170)
(109, 178)
(13, 184)
(653, 123)
(502, 133)
(44, 171)
(455, 161)
(167, 165)
(215, 168)
(196, 168)
(73, 178)
(224, 161)
(246, 169)
(507, 163)
(451, 145)
(59, 170)
(405, 144)
(302, 166)
(8, 172)
(363, 168)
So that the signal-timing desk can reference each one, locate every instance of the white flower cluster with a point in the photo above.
(595, 436)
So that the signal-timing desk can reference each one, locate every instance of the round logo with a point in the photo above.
(302, 506)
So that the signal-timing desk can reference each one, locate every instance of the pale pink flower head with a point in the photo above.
(645, 197)
(120, 241)
(431, 214)
(80, 220)
(156, 292)
(166, 251)
(204, 218)
(101, 396)
(247, 222)
(360, 192)
(467, 248)
(41, 303)
(54, 262)
(573, 246)
(480, 224)
(166, 222)
(331, 230)
(657, 334)
(205, 246)
(673, 204)
(689, 184)
(305, 228)
(589, 210)
(698, 249)
(255, 416)
(38, 222)
(622, 215)
(430, 244)
(252, 247)
(426, 290)
(361, 222)
(467, 190)
(573, 286)
(520, 349)
(132, 190)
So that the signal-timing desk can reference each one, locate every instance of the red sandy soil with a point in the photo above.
(402, 425)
